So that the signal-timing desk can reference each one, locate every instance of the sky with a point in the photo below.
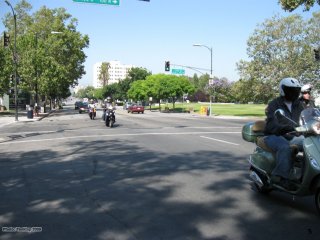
(146, 34)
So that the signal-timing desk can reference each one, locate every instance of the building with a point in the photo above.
(117, 72)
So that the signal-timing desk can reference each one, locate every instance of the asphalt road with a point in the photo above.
(153, 176)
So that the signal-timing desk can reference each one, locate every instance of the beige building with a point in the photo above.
(117, 72)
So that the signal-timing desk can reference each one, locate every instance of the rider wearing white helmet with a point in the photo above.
(306, 98)
(278, 138)
(108, 106)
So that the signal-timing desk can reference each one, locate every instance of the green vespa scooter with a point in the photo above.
(306, 172)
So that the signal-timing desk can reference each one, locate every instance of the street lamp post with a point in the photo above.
(210, 49)
(37, 74)
(14, 60)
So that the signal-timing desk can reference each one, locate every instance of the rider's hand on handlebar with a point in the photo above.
(286, 129)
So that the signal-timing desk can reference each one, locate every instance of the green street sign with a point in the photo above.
(178, 71)
(108, 2)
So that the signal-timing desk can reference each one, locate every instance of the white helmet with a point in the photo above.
(288, 83)
(306, 88)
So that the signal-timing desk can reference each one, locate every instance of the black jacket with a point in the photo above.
(281, 126)
(308, 103)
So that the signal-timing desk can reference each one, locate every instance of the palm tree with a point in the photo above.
(104, 73)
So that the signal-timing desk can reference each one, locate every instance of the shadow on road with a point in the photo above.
(99, 191)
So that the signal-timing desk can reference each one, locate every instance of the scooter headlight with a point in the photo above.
(314, 163)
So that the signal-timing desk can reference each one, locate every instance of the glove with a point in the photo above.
(286, 129)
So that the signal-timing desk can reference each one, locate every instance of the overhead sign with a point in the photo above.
(108, 2)
(178, 71)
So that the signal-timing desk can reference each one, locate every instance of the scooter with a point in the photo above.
(306, 171)
(92, 113)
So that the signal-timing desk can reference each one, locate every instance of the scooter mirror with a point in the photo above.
(280, 115)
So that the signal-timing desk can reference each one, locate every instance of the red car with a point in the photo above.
(136, 108)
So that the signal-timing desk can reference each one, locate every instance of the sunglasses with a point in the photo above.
(305, 92)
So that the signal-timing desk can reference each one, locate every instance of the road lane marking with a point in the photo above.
(102, 128)
(110, 135)
(218, 140)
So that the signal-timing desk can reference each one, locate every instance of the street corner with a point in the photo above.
(22, 117)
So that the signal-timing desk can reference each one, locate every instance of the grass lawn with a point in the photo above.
(255, 110)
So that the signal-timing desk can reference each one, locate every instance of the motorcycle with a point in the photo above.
(109, 117)
(92, 113)
(305, 175)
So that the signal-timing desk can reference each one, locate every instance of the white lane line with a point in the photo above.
(222, 127)
(218, 140)
(100, 129)
(111, 135)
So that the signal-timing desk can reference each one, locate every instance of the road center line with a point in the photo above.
(112, 135)
(218, 140)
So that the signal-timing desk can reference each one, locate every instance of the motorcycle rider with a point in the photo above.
(108, 102)
(92, 106)
(306, 97)
(278, 139)
(108, 106)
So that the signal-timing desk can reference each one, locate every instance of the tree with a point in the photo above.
(138, 74)
(161, 86)
(104, 73)
(138, 91)
(88, 92)
(220, 89)
(111, 90)
(279, 48)
(6, 69)
(134, 74)
(195, 80)
(48, 63)
(290, 5)
(244, 91)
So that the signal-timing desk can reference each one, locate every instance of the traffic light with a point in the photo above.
(317, 54)
(6, 39)
(167, 66)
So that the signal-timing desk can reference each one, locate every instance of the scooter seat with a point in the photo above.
(259, 126)
(261, 143)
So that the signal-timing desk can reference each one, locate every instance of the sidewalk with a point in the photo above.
(22, 117)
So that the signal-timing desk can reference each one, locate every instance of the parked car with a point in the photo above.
(136, 108)
(83, 107)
